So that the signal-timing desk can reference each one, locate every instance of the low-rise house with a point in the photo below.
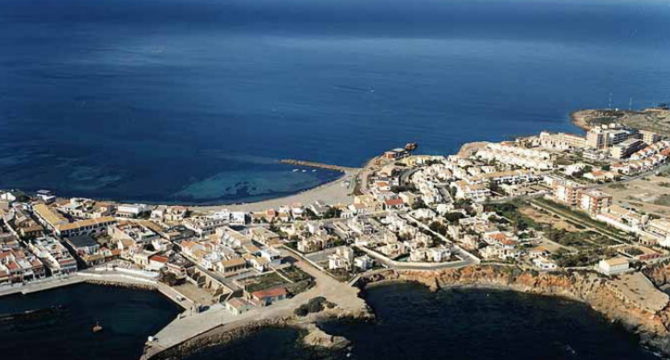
(343, 258)
(269, 296)
(394, 204)
(364, 262)
(265, 236)
(205, 226)
(54, 255)
(17, 266)
(86, 249)
(232, 266)
(157, 262)
(238, 305)
(543, 263)
(314, 243)
(131, 211)
(613, 266)
(134, 232)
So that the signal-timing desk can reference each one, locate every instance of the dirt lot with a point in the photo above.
(651, 195)
(195, 294)
(544, 218)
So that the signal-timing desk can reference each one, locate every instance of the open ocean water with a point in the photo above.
(178, 101)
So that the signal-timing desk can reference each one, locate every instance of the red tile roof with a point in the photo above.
(274, 292)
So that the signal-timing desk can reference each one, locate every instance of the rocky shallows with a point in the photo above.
(311, 335)
(613, 298)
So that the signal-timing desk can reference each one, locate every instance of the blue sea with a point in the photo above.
(414, 324)
(195, 101)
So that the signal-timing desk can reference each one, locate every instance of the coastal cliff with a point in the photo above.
(602, 294)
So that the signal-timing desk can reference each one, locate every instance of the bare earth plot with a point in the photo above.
(650, 194)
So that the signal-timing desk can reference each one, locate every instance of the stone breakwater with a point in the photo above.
(652, 327)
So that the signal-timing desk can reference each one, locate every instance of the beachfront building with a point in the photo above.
(561, 141)
(131, 211)
(62, 227)
(204, 226)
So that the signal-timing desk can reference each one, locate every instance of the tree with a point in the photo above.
(309, 214)
(418, 204)
(454, 216)
(332, 212)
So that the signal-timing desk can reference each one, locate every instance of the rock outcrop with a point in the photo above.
(590, 288)
(319, 338)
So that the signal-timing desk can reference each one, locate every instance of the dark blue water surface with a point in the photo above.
(127, 316)
(195, 100)
(415, 324)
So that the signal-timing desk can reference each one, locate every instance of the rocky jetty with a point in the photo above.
(319, 338)
(604, 295)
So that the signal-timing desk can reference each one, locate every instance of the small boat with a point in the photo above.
(295, 170)
(97, 328)
(314, 170)
(304, 171)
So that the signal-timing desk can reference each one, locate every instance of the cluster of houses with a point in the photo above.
(230, 252)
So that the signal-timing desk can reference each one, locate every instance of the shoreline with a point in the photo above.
(331, 193)
(579, 120)
(117, 280)
(651, 328)
(582, 287)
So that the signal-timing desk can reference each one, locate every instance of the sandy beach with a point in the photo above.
(332, 193)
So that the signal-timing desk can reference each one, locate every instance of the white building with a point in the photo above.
(613, 266)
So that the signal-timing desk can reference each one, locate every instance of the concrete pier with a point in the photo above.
(344, 169)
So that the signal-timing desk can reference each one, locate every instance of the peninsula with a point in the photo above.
(582, 217)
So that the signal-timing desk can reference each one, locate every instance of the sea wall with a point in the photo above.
(590, 288)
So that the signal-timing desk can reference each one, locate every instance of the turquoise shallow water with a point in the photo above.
(195, 101)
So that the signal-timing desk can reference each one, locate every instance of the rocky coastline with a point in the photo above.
(652, 328)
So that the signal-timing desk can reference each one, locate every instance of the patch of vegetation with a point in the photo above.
(582, 258)
(618, 186)
(662, 200)
(313, 306)
(295, 274)
(582, 217)
(263, 282)
(633, 251)
(438, 227)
